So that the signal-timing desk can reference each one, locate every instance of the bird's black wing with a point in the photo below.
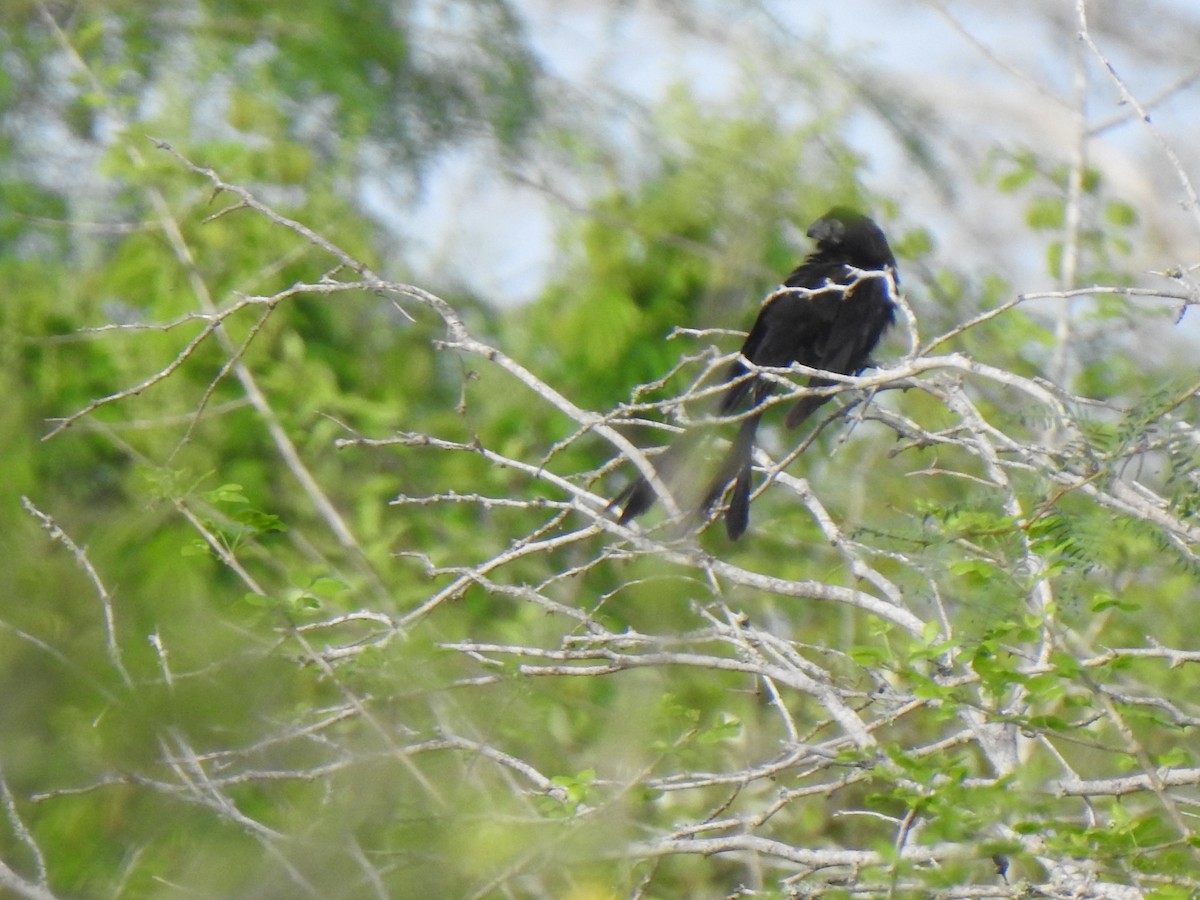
(793, 325)
(856, 321)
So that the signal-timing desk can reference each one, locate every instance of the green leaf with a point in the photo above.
(1046, 214)
(913, 244)
(1065, 664)
(1102, 601)
(328, 586)
(868, 655)
(931, 631)
(1121, 214)
(925, 688)
(226, 493)
(1054, 253)
(196, 547)
(1175, 757)
(260, 522)
(579, 787)
(726, 728)
(1023, 172)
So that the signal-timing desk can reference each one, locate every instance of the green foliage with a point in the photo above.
(1107, 222)
(361, 68)
(257, 662)
(694, 244)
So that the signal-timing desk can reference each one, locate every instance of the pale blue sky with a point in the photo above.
(989, 76)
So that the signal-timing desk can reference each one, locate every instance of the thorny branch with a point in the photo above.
(841, 722)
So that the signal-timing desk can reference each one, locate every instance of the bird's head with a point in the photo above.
(846, 232)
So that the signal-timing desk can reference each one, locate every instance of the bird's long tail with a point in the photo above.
(677, 466)
(672, 467)
(637, 497)
(736, 468)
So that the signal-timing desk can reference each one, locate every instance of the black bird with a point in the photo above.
(831, 321)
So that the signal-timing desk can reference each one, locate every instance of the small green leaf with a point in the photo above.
(1011, 182)
(913, 244)
(1044, 687)
(327, 586)
(1176, 756)
(1046, 213)
(226, 493)
(305, 603)
(927, 689)
(1024, 171)
(1054, 258)
(260, 522)
(868, 656)
(1120, 213)
(578, 787)
(1103, 601)
(725, 729)
(1066, 665)
(198, 547)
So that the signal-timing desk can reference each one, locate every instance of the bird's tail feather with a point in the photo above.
(673, 467)
(634, 500)
(676, 468)
(736, 468)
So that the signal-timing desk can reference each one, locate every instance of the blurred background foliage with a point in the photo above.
(304, 104)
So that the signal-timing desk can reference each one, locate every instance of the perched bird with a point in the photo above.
(829, 314)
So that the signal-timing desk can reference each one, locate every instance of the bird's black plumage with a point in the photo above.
(829, 314)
